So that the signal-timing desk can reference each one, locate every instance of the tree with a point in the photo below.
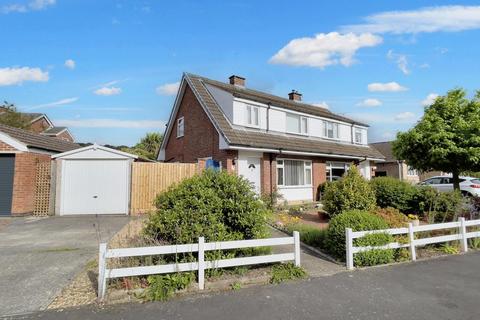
(11, 117)
(447, 138)
(147, 147)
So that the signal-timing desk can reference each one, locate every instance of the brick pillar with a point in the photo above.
(319, 175)
(268, 172)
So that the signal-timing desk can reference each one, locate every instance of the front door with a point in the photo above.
(252, 173)
(7, 169)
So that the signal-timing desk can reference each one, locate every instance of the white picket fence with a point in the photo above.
(462, 235)
(200, 265)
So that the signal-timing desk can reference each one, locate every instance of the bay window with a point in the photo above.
(294, 172)
(297, 124)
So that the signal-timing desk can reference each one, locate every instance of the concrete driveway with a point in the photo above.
(39, 256)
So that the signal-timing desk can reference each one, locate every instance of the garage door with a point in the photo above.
(7, 167)
(95, 187)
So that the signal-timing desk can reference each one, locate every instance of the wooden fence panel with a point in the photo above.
(150, 179)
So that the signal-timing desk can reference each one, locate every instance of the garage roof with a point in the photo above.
(95, 151)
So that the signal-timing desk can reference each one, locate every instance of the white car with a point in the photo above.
(469, 186)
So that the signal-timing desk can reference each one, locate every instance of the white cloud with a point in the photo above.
(324, 49)
(12, 76)
(405, 116)
(370, 103)
(70, 64)
(429, 19)
(55, 104)
(168, 89)
(33, 5)
(424, 66)
(322, 104)
(429, 99)
(401, 61)
(386, 87)
(108, 91)
(109, 123)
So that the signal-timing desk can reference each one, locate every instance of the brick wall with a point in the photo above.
(200, 138)
(24, 181)
(6, 147)
(40, 125)
(65, 136)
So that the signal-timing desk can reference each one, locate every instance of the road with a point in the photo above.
(444, 288)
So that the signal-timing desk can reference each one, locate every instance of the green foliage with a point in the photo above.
(286, 271)
(163, 287)
(216, 205)
(391, 192)
(438, 206)
(446, 138)
(10, 116)
(309, 235)
(357, 220)
(236, 286)
(374, 257)
(148, 146)
(393, 217)
(272, 199)
(350, 192)
(449, 249)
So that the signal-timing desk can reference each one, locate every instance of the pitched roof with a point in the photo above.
(39, 141)
(385, 148)
(54, 131)
(261, 139)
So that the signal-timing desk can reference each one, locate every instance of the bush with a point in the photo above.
(439, 206)
(215, 205)
(357, 220)
(394, 193)
(163, 287)
(309, 235)
(374, 257)
(286, 271)
(393, 217)
(350, 192)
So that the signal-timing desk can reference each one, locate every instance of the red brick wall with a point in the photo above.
(24, 181)
(200, 138)
(6, 147)
(65, 136)
(40, 125)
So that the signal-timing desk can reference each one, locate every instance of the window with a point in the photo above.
(411, 171)
(335, 170)
(180, 127)
(294, 173)
(252, 116)
(358, 135)
(331, 130)
(297, 124)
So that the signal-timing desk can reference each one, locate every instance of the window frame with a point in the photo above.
(355, 132)
(411, 172)
(335, 130)
(307, 166)
(180, 127)
(301, 121)
(250, 112)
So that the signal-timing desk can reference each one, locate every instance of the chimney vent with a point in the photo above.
(237, 81)
(295, 96)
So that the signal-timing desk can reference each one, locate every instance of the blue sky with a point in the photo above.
(108, 69)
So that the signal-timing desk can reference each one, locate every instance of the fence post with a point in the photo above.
(349, 247)
(463, 232)
(411, 237)
(296, 241)
(102, 281)
(201, 263)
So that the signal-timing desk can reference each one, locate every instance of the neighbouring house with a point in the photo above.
(20, 153)
(393, 167)
(276, 143)
(40, 123)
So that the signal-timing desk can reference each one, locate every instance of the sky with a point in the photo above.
(109, 70)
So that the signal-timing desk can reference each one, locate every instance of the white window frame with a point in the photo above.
(250, 116)
(411, 172)
(180, 127)
(355, 132)
(307, 166)
(303, 129)
(336, 165)
(335, 129)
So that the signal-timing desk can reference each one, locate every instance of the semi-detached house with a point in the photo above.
(276, 143)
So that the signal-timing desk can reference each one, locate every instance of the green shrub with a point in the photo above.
(349, 193)
(286, 271)
(393, 217)
(374, 257)
(215, 205)
(394, 193)
(163, 287)
(439, 206)
(357, 220)
(309, 235)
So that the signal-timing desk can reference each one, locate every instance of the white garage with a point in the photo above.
(93, 180)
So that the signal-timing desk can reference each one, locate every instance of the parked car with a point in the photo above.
(469, 186)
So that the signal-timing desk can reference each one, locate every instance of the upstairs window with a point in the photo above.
(180, 127)
(252, 116)
(358, 136)
(297, 124)
(331, 130)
